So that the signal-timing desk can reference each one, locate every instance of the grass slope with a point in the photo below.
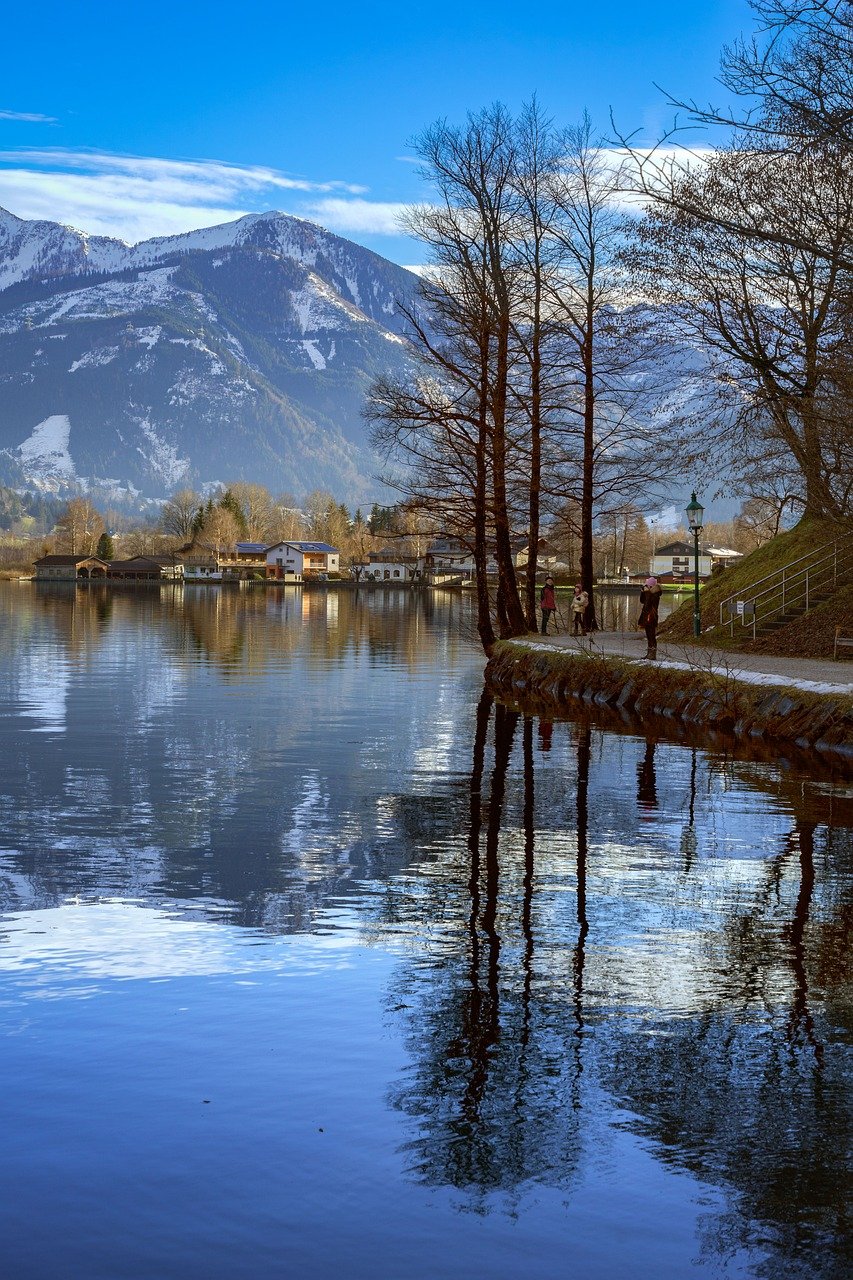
(809, 636)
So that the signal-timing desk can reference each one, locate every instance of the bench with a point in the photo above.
(843, 640)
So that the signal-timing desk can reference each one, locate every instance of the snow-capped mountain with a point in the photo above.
(241, 351)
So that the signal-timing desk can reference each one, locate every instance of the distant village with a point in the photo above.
(445, 562)
(320, 542)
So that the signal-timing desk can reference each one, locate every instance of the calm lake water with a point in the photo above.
(315, 963)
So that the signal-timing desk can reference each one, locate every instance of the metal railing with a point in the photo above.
(793, 589)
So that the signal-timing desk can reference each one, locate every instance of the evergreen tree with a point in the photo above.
(105, 548)
(229, 502)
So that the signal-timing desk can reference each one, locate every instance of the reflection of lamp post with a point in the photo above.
(695, 512)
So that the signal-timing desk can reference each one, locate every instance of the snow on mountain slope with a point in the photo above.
(239, 351)
(45, 451)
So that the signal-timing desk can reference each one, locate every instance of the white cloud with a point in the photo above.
(107, 207)
(365, 217)
(136, 197)
(27, 117)
(213, 178)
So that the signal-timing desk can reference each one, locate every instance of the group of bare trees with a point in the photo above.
(250, 513)
(527, 393)
(545, 299)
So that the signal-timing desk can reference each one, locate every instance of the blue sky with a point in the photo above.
(155, 119)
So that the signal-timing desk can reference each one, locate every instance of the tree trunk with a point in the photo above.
(587, 575)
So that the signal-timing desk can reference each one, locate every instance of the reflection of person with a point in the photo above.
(647, 791)
(580, 600)
(546, 730)
(547, 603)
(649, 604)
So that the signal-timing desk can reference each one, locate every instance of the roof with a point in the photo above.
(57, 560)
(251, 548)
(723, 553)
(141, 562)
(675, 549)
(306, 546)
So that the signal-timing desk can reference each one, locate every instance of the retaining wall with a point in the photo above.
(555, 680)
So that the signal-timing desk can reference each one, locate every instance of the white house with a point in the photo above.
(307, 559)
(676, 560)
(388, 566)
(448, 555)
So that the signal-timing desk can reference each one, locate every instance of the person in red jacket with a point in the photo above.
(547, 603)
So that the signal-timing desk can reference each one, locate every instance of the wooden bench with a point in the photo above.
(843, 640)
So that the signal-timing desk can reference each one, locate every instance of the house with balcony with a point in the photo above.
(448, 555)
(388, 565)
(240, 563)
(304, 559)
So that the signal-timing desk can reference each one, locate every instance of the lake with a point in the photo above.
(315, 962)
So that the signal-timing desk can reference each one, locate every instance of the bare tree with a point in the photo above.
(219, 530)
(602, 442)
(450, 424)
(258, 510)
(79, 527)
(179, 514)
(795, 76)
(775, 318)
(289, 518)
(795, 80)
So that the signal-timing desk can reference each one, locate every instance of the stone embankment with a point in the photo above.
(699, 693)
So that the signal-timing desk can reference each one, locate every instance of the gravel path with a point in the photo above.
(813, 674)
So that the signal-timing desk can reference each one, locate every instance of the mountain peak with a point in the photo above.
(237, 351)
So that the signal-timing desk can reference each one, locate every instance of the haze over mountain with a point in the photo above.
(241, 351)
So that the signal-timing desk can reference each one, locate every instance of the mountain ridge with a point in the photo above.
(239, 351)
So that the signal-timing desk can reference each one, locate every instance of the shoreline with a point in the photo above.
(755, 705)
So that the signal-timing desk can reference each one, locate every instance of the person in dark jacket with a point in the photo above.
(649, 604)
(547, 603)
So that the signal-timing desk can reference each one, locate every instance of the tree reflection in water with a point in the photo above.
(513, 1064)
(494, 1083)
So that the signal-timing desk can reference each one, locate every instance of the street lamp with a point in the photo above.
(694, 512)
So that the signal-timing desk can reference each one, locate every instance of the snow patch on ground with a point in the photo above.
(317, 306)
(163, 458)
(46, 450)
(353, 288)
(150, 336)
(314, 354)
(216, 365)
(114, 297)
(92, 359)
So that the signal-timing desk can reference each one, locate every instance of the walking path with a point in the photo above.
(815, 675)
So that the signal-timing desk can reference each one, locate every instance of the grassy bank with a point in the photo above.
(807, 637)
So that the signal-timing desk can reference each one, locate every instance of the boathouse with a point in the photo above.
(70, 568)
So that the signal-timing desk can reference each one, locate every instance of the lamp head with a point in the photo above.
(695, 513)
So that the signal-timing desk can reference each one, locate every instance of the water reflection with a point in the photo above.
(713, 1051)
(598, 943)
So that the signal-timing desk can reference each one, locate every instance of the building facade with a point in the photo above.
(305, 559)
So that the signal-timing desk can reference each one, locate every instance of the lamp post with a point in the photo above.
(695, 512)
